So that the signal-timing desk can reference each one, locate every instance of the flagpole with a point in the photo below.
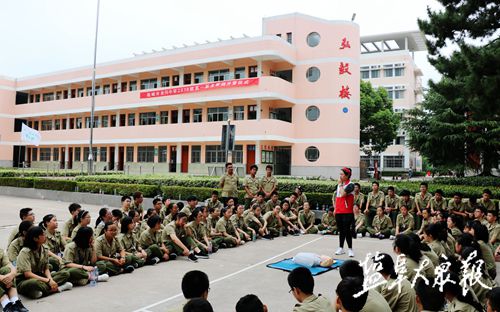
(91, 153)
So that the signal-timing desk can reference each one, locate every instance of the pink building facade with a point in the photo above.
(293, 94)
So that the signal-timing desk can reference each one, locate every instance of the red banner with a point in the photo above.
(200, 87)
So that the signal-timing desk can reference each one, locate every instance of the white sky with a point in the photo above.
(39, 36)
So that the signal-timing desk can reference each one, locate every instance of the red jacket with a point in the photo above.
(345, 204)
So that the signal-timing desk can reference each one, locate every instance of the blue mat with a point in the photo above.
(288, 265)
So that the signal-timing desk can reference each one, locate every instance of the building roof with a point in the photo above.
(393, 41)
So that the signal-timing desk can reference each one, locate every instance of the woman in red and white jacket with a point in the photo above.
(344, 215)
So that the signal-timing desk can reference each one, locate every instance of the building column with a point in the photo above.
(118, 118)
(259, 68)
(117, 150)
(257, 153)
(179, 158)
(381, 164)
(66, 157)
(67, 122)
(259, 107)
(179, 114)
(181, 77)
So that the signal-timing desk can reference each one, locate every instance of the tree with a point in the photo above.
(378, 122)
(458, 125)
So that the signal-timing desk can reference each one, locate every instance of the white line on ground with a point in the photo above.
(144, 309)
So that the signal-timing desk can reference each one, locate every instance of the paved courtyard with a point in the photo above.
(232, 272)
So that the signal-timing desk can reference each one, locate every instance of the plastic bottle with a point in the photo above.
(209, 248)
(93, 277)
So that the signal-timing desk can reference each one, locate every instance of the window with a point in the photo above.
(80, 92)
(175, 80)
(312, 74)
(186, 115)
(132, 86)
(197, 115)
(114, 88)
(103, 153)
(267, 157)
(130, 154)
(313, 39)
(365, 72)
(396, 92)
(57, 124)
(388, 70)
(399, 94)
(253, 71)
(124, 87)
(78, 151)
(63, 123)
(239, 113)
(78, 123)
(147, 118)
(55, 154)
(58, 95)
(46, 125)
(45, 154)
(37, 98)
(162, 154)
(35, 125)
(113, 120)
(252, 112)
(198, 77)
(394, 161)
(218, 75)
(34, 154)
(238, 154)
(66, 93)
(145, 154)
(312, 153)
(148, 84)
(106, 89)
(96, 122)
(398, 72)
(214, 154)
(86, 153)
(375, 71)
(289, 37)
(123, 119)
(312, 113)
(278, 35)
(165, 82)
(239, 73)
(105, 121)
(217, 114)
(174, 117)
(163, 118)
(48, 97)
(195, 154)
(400, 140)
(187, 79)
(131, 119)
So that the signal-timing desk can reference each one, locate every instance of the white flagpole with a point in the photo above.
(91, 154)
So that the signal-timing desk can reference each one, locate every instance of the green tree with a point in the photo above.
(458, 124)
(378, 122)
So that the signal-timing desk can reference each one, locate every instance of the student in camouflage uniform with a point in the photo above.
(213, 217)
(55, 243)
(251, 185)
(381, 225)
(359, 198)
(426, 220)
(479, 215)
(171, 213)
(438, 202)
(486, 201)
(422, 200)
(177, 240)
(137, 203)
(268, 182)
(157, 206)
(131, 245)
(328, 223)
(18, 243)
(192, 202)
(456, 206)
(301, 285)
(230, 238)
(404, 222)
(306, 220)
(150, 241)
(273, 220)
(294, 205)
(493, 229)
(246, 233)
(273, 202)
(198, 231)
(256, 222)
(125, 204)
(25, 214)
(360, 227)
(70, 224)
(229, 183)
(104, 216)
(83, 219)
(289, 219)
(301, 197)
(34, 279)
(213, 201)
(374, 200)
(391, 204)
(110, 253)
(80, 259)
(261, 202)
(454, 223)
(8, 292)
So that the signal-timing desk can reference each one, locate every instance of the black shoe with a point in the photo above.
(18, 305)
(128, 269)
(214, 249)
(172, 256)
(285, 233)
(10, 308)
(192, 257)
(222, 245)
(201, 255)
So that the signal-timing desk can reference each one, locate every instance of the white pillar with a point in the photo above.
(179, 114)
(181, 77)
(117, 150)
(118, 118)
(66, 157)
(259, 107)
(67, 122)
(257, 153)
(259, 68)
(179, 158)
(69, 92)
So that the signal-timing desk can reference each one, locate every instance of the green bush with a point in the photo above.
(55, 185)
(16, 182)
(13, 172)
(486, 182)
(118, 188)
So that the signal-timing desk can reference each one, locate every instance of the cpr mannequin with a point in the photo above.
(309, 259)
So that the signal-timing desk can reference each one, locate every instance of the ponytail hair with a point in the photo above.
(102, 214)
(408, 247)
(46, 219)
(455, 289)
(23, 227)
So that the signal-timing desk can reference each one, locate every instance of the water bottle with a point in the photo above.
(14, 263)
(209, 248)
(93, 277)
(254, 237)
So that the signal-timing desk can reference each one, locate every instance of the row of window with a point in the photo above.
(389, 161)
(390, 70)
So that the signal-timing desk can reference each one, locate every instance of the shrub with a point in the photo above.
(55, 185)
(17, 182)
(117, 188)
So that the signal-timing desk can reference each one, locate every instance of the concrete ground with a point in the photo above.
(233, 273)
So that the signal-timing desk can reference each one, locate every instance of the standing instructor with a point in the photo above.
(344, 202)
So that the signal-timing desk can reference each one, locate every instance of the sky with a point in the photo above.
(41, 36)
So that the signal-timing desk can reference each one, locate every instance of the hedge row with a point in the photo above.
(45, 173)
(472, 181)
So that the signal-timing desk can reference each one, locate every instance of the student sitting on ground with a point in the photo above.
(493, 303)
(196, 229)
(346, 289)
(404, 222)
(104, 216)
(131, 244)
(328, 223)
(18, 243)
(381, 225)
(117, 217)
(273, 220)
(195, 284)
(359, 222)
(25, 214)
(198, 305)
(70, 224)
(55, 243)
(428, 298)
(110, 253)
(413, 257)
(250, 303)
(255, 221)
(126, 201)
(177, 240)
(80, 259)
(150, 240)
(246, 233)
(225, 227)
(301, 285)
(455, 225)
(426, 219)
(289, 219)
(171, 213)
(82, 219)
(8, 292)
(34, 279)
(457, 302)
(306, 220)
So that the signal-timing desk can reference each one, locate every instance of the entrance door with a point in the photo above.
(111, 163)
(63, 158)
(173, 159)
(250, 157)
(185, 158)
(70, 158)
(121, 157)
(18, 156)
(283, 160)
